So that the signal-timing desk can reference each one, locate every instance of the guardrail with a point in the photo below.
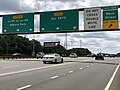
(15, 57)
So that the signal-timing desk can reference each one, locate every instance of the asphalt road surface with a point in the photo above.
(73, 74)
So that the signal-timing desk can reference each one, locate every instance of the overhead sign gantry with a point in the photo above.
(64, 21)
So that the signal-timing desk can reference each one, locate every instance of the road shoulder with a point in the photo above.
(116, 82)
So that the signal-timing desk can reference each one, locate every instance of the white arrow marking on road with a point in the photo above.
(24, 87)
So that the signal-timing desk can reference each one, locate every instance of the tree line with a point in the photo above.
(10, 44)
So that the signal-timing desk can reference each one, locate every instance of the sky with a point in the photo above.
(104, 41)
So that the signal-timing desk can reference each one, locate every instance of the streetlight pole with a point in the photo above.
(66, 39)
(33, 53)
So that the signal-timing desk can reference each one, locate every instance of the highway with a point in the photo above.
(74, 74)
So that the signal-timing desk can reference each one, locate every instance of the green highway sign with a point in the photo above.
(59, 21)
(18, 23)
(110, 8)
(110, 15)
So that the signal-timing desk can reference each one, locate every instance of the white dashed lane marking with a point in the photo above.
(70, 72)
(80, 68)
(24, 87)
(54, 77)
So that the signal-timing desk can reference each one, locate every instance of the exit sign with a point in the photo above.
(18, 23)
(59, 21)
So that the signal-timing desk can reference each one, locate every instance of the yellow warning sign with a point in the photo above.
(110, 24)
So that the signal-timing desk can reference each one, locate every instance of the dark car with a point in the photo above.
(99, 57)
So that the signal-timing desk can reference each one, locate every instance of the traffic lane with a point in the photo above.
(11, 66)
(22, 65)
(38, 76)
(4, 63)
(93, 78)
(44, 77)
(78, 59)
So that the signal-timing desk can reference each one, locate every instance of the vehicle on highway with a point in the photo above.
(53, 58)
(73, 55)
(99, 56)
(91, 55)
(16, 54)
(40, 55)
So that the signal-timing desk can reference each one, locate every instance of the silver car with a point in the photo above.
(40, 55)
(73, 55)
(52, 57)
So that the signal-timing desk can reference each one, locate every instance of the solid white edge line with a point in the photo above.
(54, 77)
(22, 71)
(111, 80)
(24, 87)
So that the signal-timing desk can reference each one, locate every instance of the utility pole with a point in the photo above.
(33, 53)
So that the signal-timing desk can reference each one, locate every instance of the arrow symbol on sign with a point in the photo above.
(74, 27)
(43, 29)
(5, 30)
(57, 28)
(110, 25)
(30, 29)
(18, 30)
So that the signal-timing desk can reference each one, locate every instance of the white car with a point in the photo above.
(53, 57)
